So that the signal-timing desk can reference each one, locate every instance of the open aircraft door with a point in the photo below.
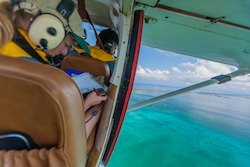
(126, 83)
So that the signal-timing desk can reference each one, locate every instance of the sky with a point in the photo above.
(181, 71)
(165, 68)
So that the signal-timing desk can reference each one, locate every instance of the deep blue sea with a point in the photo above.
(196, 129)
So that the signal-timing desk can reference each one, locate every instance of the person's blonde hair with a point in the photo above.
(6, 23)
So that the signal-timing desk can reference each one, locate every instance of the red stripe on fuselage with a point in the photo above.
(131, 82)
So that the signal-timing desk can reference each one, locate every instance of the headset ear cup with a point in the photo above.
(46, 29)
(108, 45)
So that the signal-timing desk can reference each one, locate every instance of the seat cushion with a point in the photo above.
(45, 103)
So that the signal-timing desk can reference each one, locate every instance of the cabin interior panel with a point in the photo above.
(104, 13)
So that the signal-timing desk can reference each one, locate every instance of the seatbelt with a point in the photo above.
(84, 14)
(21, 42)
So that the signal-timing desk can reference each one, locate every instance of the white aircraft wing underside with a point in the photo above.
(216, 30)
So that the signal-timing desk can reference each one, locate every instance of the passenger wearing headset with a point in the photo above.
(53, 25)
(110, 41)
(46, 27)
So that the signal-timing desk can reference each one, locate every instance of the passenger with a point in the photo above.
(110, 41)
(23, 12)
(68, 26)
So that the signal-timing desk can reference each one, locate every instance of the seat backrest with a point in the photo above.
(44, 103)
(87, 64)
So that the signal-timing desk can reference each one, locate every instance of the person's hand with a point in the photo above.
(93, 99)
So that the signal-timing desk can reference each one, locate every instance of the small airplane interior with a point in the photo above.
(42, 122)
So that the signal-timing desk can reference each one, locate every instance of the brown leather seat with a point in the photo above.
(87, 64)
(94, 67)
(45, 103)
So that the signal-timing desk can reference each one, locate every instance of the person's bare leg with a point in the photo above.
(90, 120)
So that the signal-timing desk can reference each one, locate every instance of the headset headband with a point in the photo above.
(47, 28)
(66, 8)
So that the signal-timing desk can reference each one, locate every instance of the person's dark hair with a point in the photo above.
(108, 34)
(109, 39)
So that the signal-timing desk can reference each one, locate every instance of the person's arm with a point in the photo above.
(93, 99)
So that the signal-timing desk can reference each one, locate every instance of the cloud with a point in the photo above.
(147, 73)
(202, 70)
(209, 67)
(242, 83)
(175, 69)
(192, 73)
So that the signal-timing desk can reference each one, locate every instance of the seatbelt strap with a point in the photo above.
(84, 14)
(21, 42)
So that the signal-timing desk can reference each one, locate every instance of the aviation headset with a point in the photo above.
(109, 44)
(109, 38)
(47, 30)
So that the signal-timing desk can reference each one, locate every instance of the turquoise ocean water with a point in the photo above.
(195, 129)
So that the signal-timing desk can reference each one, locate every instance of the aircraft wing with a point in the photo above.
(217, 30)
